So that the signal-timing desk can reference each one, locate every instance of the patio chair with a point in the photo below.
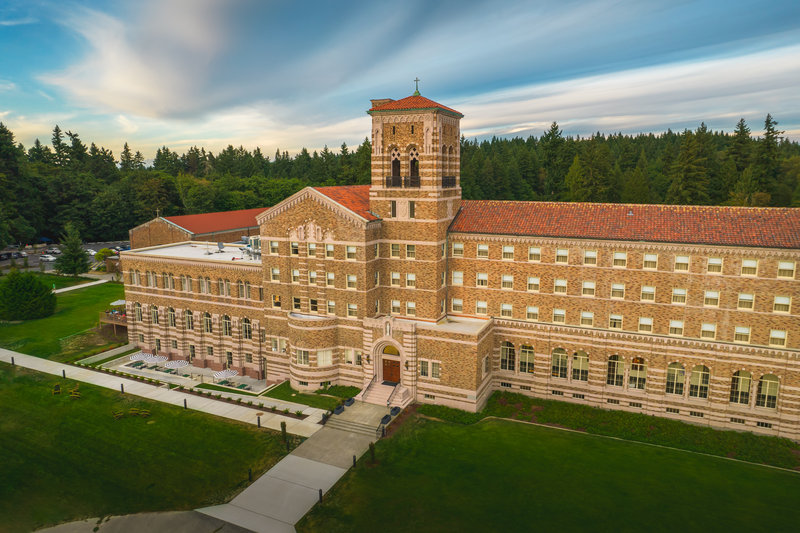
(117, 414)
(56, 389)
(144, 413)
(133, 411)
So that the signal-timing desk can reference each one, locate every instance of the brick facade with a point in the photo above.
(351, 280)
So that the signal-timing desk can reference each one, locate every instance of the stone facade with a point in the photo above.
(352, 285)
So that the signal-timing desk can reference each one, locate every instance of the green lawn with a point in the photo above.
(60, 281)
(500, 475)
(65, 459)
(340, 391)
(221, 388)
(64, 335)
(284, 391)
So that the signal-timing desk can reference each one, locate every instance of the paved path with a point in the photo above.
(276, 501)
(108, 353)
(304, 428)
(81, 286)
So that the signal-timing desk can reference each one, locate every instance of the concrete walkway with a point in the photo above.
(108, 353)
(81, 286)
(304, 428)
(276, 501)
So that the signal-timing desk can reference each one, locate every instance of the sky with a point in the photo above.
(284, 75)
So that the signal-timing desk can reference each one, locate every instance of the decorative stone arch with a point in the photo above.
(413, 161)
(387, 349)
(395, 161)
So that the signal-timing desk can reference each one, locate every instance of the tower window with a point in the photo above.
(411, 209)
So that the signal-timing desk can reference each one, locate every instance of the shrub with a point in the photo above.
(273, 408)
(286, 412)
(250, 402)
(299, 412)
(25, 296)
(102, 254)
(218, 396)
(238, 400)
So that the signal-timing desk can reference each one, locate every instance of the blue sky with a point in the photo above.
(292, 74)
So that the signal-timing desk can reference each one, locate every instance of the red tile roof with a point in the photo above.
(353, 197)
(217, 222)
(725, 226)
(412, 102)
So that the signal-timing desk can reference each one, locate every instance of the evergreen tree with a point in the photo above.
(552, 146)
(25, 296)
(635, 188)
(73, 259)
(589, 177)
(740, 147)
(689, 179)
(126, 159)
(60, 150)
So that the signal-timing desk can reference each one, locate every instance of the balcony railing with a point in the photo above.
(448, 182)
(405, 182)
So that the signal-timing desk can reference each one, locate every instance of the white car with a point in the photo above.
(47, 258)
(91, 252)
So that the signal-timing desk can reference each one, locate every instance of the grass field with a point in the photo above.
(60, 281)
(340, 391)
(64, 459)
(284, 391)
(65, 335)
(501, 475)
(211, 386)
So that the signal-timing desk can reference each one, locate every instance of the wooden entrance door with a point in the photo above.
(391, 371)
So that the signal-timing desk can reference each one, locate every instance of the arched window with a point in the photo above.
(580, 366)
(451, 162)
(526, 359)
(247, 290)
(560, 362)
(390, 350)
(616, 371)
(395, 163)
(698, 382)
(638, 375)
(740, 387)
(189, 319)
(240, 288)
(767, 391)
(507, 356)
(207, 323)
(676, 376)
(226, 325)
(413, 163)
(247, 329)
(137, 309)
(154, 314)
(445, 162)
(171, 317)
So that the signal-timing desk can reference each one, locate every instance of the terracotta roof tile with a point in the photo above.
(725, 226)
(216, 222)
(412, 102)
(353, 197)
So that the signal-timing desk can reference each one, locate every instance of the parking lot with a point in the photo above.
(34, 254)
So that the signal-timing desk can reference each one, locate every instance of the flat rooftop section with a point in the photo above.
(454, 324)
(198, 251)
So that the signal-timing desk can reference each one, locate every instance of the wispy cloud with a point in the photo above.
(6, 85)
(18, 22)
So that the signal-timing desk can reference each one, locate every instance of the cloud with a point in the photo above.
(18, 22)
(6, 85)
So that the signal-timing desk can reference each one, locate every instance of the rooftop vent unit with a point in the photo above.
(221, 247)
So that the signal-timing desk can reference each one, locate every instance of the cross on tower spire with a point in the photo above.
(416, 86)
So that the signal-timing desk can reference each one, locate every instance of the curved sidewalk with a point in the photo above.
(304, 428)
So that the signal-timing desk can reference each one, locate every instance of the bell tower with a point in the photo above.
(416, 191)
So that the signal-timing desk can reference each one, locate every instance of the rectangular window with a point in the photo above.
(590, 257)
(648, 293)
(507, 281)
(312, 304)
(681, 262)
(331, 307)
(329, 251)
(392, 209)
(295, 248)
(533, 284)
(650, 262)
(458, 277)
(411, 309)
(749, 267)
(745, 301)
(458, 249)
(312, 277)
(376, 250)
(423, 369)
(273, 247)
(645, 324)
(620, 259)
(395, 277)
(248, 358)
(209, 351)
(587, 318)
(786, 269)
(560, 286)
(508, 253)
(411, 251)
(562, 255)
(618, 290)
(676, 327)
(714, 265)
(352, 310)
(395, 250)
(324, 357)
(276, 301)
(532, 313)
(396, 307)
(295, 276)
(708, 331)
(457, 305)
(351, 281)
(481, 279)
(615, 321)
(506, 310)
(782, 304)
(435, 370)
(679, 296)
(351, 253)
(741, 334)
(296, 304)
(559, 316)
(483, 251)
(534, 253)
(312, 249)
(480, 307)
(441, 250)
(411, 280)
(588, 288)
(302, 357)
(330, 279)
(777, 337)
(711, 299)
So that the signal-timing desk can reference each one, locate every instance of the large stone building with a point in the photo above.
(404, 289)
(224, 226)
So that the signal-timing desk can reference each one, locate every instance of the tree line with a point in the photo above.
(46, 187)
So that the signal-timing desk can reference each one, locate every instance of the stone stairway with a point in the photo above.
(378, 394)
(336, 422)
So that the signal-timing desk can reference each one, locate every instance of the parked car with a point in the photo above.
(91, 252)
(47, 258)
(53, 250)
(5, 255)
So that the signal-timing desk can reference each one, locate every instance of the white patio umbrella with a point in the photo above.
(228, 373)
(177, 363)
(155, 358)
(138, 356)
(117, 302)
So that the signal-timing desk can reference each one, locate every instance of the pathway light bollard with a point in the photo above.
(250, 474)
(184, 404)
(354, 461)
(63, 373)
(258, 419)
(320, 495)
(122, 388)
(12, 361)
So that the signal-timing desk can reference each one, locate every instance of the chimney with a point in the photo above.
(380, 101)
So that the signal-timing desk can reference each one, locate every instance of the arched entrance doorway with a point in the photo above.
(390, 364)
